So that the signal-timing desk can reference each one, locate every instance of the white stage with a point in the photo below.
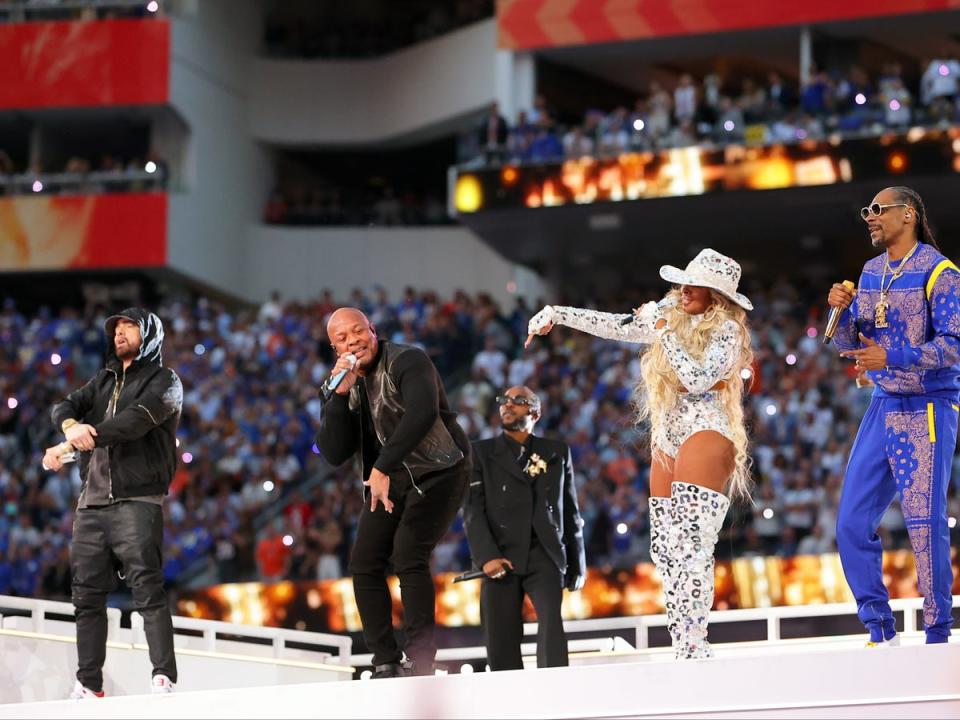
(809, 678)
(829, 679)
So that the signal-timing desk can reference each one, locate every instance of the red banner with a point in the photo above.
(526, 24)
(81, 64)
(50, 232)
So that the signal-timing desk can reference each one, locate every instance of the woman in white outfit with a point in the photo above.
(691, 392)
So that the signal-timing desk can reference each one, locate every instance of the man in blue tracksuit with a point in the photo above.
(902, 326)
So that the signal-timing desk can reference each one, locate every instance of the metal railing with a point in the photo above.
(279, 637)
(19, 7)
(39, 609)
(75, 182)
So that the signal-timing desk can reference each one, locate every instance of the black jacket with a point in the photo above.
(139, 428)
(505, 504)
(402, 424)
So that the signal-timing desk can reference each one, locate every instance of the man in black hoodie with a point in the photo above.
(124, 424)
(390, 409)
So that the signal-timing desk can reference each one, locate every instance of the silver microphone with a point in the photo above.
(331, 385)
(664, 304)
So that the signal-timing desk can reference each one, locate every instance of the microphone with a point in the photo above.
(834, 318)
(470, 575)
(664, 304)
(331, 385)
(68, 457)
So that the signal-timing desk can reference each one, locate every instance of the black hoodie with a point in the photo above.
(135, 413)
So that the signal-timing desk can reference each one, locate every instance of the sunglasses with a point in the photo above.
(507, 400)
(877, 209)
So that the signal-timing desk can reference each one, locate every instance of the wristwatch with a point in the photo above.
(67, 424)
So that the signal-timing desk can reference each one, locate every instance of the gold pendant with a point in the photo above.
(880, 312)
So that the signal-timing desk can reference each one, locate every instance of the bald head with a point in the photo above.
(350, 331)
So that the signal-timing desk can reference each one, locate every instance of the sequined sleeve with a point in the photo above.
(719, 356)
(944, 349)
(605, 325)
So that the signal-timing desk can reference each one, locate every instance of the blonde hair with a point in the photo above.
(657, 392)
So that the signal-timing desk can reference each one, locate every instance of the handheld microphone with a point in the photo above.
(469, 575)
(834, 318)
(331, 385)
(664, 304)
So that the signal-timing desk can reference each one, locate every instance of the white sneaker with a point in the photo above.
(892, 642)
(161, 685)
(80, 692)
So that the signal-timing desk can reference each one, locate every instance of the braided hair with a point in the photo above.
(912, 198)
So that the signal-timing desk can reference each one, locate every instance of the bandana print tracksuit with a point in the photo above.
(907, 437)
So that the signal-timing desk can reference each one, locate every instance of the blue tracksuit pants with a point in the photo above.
(905, 448)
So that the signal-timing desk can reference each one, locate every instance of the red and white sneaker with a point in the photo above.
(80, 692)
(161, 685)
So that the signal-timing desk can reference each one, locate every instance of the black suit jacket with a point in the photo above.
(504, 505)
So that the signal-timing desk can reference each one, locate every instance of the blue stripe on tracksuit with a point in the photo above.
(895, 454)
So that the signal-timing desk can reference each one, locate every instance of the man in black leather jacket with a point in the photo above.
(124, 424)
(525, 533)
(391, 410)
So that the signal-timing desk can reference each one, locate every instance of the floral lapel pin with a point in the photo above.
(535, 465)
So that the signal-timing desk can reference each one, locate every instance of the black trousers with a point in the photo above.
(128, 534)
(501, 613)
(404, 538)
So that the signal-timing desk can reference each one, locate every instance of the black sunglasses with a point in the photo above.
(519, 400)
(877, 209)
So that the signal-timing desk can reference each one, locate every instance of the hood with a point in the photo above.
(151, 334)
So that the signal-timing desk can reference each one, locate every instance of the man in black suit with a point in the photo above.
(525, 532)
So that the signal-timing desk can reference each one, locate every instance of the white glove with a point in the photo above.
(541, 321)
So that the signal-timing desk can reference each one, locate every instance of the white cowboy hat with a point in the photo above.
(712, 270)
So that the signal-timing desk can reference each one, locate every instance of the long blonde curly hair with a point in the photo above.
(657, 393)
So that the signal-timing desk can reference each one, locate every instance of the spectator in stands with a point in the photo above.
(492, 134)
(525, 532)
(126, 418)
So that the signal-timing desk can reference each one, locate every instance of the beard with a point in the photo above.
(128, 353)
(520, 423)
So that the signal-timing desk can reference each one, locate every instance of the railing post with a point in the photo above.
(210, 637)
(773, 626)
(642, 634)
(909, 619)
(278, 646)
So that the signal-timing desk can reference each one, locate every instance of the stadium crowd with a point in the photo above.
(253, 500)
(715, 111)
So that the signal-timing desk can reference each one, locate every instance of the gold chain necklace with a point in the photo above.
(880, 309)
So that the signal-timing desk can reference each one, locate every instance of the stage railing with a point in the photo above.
(211, 631)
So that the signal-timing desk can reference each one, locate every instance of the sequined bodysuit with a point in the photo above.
(698, 409)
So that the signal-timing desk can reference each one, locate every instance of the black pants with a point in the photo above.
(129, 534)
(501, 608)
(404, 538)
